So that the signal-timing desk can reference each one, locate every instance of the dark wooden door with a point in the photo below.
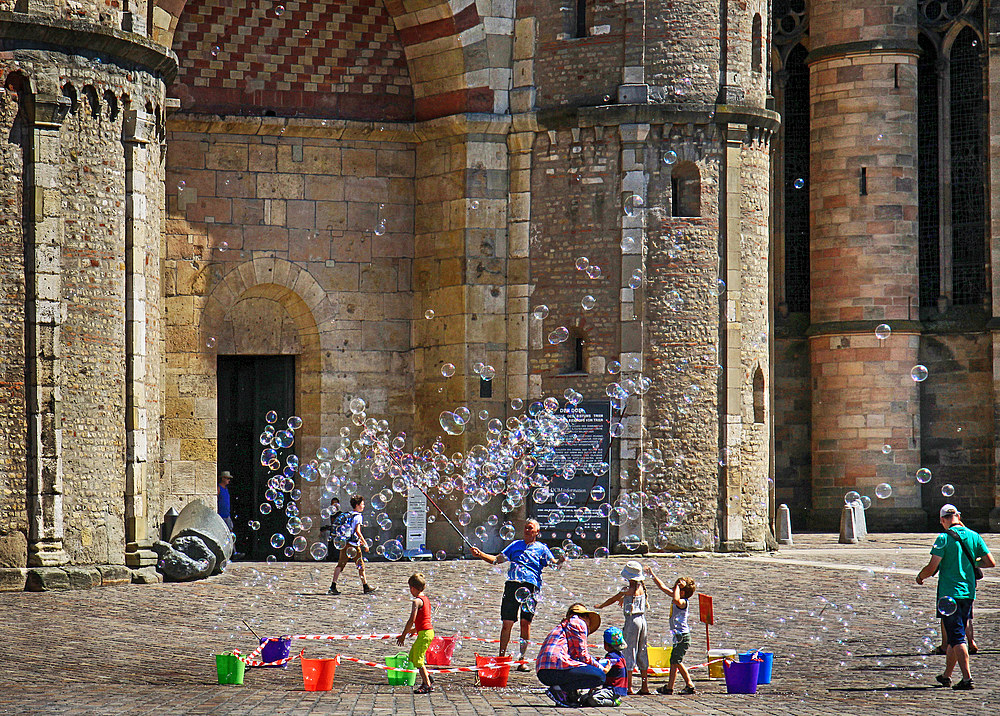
(250, 387)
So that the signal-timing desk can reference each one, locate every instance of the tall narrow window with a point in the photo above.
(757, 46)
(968, 199)
(758, 395)
(928, 191)
(796, 189)
(580, 29)
(579, 364)
(685, 190)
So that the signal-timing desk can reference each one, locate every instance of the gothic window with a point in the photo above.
(928, 188)
(685, 190)
(796, 185)
(968, 218)
(757, 42)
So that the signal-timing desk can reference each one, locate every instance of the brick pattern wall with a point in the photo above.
(339, 58)
(792, 416)
(13, 429)
(104, 12)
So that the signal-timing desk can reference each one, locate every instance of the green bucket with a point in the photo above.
(230, 669)
(397, 677)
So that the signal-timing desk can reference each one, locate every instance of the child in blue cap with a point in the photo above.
(616, 682)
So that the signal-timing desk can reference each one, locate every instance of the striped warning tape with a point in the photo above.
(490, 666)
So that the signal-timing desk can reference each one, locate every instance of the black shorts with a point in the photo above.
(510, 607)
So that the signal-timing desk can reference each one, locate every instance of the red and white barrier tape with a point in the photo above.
(491, 666)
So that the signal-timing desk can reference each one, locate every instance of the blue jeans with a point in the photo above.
(954, 624)
(577, 678)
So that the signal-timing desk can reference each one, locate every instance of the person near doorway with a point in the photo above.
(333, 553)
(223, 504)
(356, 542)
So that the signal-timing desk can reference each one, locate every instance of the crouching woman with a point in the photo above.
(564, 664)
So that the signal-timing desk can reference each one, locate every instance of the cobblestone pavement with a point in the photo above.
(849, 628)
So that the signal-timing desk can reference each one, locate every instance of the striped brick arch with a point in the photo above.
(352, 59)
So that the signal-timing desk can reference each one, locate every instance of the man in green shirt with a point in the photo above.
(954, 556)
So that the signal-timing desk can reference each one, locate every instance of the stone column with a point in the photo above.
(45, 315)
(993, 221)
(139, 131)
(863, 258)
(731, 339)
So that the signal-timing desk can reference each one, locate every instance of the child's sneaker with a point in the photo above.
(943, 680)
(368, 589)
(689, 690)
(964, 685)
(333, 589)
(423, 689)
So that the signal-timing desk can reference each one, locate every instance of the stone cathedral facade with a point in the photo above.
(211, 209)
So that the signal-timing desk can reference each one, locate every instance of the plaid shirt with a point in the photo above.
(566, 647)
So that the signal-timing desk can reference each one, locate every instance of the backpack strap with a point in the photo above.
(964, 548)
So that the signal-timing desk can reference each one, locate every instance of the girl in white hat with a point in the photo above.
(633, 600)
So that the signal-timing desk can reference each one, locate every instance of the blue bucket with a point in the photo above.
(766, 664)
(275, 650)
(741, 677)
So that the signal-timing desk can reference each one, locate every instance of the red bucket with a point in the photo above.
(317, 674)
(492, 671)
(440, 651)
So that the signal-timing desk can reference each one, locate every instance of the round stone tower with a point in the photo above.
(652, 159)
(81, 179)
(863, 256)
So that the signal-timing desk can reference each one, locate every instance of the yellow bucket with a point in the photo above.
(715, 657)
(659, 656)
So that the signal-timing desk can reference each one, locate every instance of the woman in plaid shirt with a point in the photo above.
(564, 664)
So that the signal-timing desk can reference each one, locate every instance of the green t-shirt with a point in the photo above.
(956, 578)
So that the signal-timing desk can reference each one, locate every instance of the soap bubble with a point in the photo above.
(450, 423)
(886, 449)
(294, 423)
(279, 10)
(463, 414)
(541, 312)
(582, 263)
(464, 519)
(719, 288)
(429, 314)
(866, 502)
(277, 540)
(488, 372)
(614, 367)
(883, 491)
(923, 476)
(215, 51)
(588, 302)
(210, 342)
(254, 525)
(522, 594)
(597, 493)
(628, 243)
(947, 490)
(318, 551)
(507, 532)
(393, 550)
(633, 204)
(601, 552)
(448, 370)
(919, 373)
(559, 335)
(669, 157)
(481, 533)
(299, 544)
(440, 555)
(851, 497)
(265, 509)
(799, 183)
(516, 404)
(563, 499)
(946, 606)
(883, 331)
(271, 417)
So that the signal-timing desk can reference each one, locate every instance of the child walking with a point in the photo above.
(419, 623)
(683, 589)
(633, 600)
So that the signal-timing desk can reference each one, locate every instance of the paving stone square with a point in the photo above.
(849, 628)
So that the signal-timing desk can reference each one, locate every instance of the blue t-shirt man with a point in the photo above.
(527, 558)
(223, 506)
(527, 561)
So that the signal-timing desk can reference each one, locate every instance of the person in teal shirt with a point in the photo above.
(954, 556)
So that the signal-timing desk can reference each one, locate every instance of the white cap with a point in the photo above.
(949, 509)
